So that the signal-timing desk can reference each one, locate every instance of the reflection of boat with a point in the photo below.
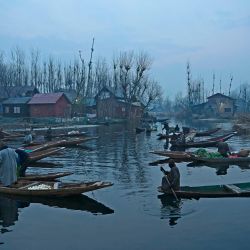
(228, 160)
(207, 143)
(51, 189)
(171, 209)
(215, 191)
(80, 202)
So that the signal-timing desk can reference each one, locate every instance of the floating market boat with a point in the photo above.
(67, 135)
(180, 155)
(40, 154)
(139, 130)
(51, 189)
(44, 177)
(59, 143)
(215, 191)
(207, 143)
(207, 132)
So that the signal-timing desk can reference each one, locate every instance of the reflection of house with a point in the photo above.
(218, 105)
(111, 104)
(16, 91)
(50, 105)
(16, 107)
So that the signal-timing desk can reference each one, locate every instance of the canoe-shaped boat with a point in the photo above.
(51, 189)
(40, 154)
(215, 191)
(228, 160)
(44, 177)
(59, 143)
(68, 135)
(139, 130)
(180, 155)
(207, 143)
(207, 132)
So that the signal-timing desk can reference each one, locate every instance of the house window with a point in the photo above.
(227, 110)
(7, 110)
(16, 110)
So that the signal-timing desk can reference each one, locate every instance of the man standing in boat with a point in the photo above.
(8, 165)
(171, 179)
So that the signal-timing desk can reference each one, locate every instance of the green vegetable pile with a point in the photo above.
(204, 154)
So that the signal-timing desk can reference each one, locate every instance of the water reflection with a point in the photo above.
(170, 209)
(10, 207)
(221, 168)
(9, 210)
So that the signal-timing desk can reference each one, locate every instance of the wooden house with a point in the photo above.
(218, 105)
(16, 107)
(111, 104)
(50, 105)
(16, 91)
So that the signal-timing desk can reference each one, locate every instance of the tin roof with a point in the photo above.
(219, 95)
(48, 98)
(17, 100)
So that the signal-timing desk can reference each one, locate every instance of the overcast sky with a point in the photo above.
(213, 35)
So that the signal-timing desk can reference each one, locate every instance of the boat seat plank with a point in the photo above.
(233, 188)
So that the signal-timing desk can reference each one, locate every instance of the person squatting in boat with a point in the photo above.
(171, 179)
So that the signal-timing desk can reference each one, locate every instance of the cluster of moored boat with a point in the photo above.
(47, 185)
(231, 190)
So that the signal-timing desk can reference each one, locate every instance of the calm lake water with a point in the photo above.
(129, 215)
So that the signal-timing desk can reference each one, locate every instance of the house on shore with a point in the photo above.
(50, 105)
(16, 107)
(111, 104)
(218, 105)
(16, 91)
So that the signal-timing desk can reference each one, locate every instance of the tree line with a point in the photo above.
(128, 73)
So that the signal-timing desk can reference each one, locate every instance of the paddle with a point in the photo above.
(172, 190)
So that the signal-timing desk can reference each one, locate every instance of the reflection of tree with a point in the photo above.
(9, 212)
(170, 209)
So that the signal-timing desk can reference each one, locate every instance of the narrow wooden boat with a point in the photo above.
(139, 130)
(67, 135)
(38, 155)
(207, 132)
(44, 177)
(59, 143)
(215, 191)
(56, 189)
(207, 143)
(180, 155)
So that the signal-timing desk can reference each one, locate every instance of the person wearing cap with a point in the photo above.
(171, 179)
(8, 165)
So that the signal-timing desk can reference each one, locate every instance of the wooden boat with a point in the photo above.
(59, 143)
(215, 191)
(228, 160)
(207, 143)
(207, 132)
(68, 135)
(57, 189)
(40, 154)
(44, 177)
(139, 130)
(180, 155)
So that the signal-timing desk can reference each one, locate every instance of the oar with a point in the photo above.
(172, 190)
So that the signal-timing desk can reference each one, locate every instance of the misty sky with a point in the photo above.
(214, 35)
